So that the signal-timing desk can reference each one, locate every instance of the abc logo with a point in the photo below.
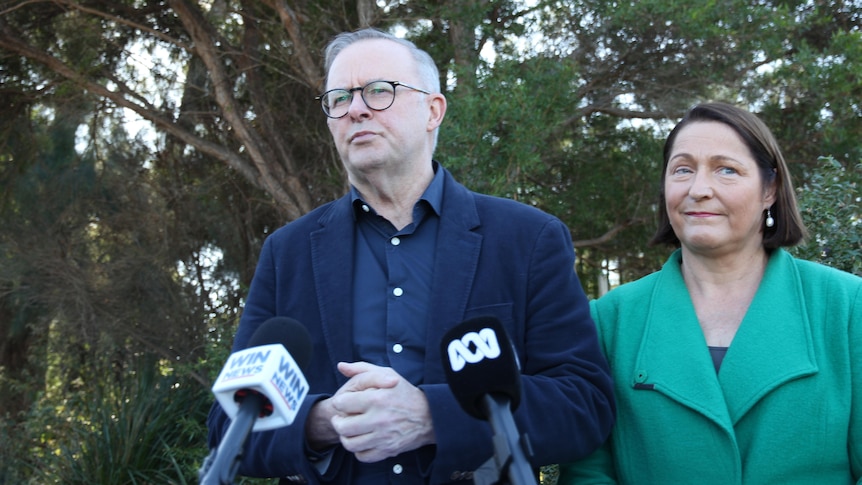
(485, 343)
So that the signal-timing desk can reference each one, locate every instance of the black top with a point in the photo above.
(717, 354)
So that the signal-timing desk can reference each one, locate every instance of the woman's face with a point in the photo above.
(714, 191)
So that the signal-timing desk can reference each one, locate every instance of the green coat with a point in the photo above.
(785, 408)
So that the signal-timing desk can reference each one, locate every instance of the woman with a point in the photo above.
(736, 363)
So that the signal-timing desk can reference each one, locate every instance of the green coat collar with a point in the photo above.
(673, 357)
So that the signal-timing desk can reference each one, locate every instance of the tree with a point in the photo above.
(643, 62)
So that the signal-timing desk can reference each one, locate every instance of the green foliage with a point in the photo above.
(549, 475)
(498, 137)
(115, 424)
(810, 101)
(574, 123)
(135, 430)
(831, 205)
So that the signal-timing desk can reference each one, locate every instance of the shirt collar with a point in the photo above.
(433, 194)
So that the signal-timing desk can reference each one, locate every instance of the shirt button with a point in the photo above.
(397, 348)
(397, 469)
(395, 241)
(397, 292)
(365, 208)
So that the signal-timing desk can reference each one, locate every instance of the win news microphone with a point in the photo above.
(483, 373)
(260, 388)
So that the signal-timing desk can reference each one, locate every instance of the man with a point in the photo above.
(381, 274)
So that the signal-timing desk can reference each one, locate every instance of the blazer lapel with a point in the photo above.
(673, 357)
(774, 344)
(332, 264)
(455, 264)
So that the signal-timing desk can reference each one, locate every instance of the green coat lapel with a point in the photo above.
(674, 360)
(673, 356)
(763, 355)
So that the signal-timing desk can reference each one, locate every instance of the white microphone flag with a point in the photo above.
(269, 370)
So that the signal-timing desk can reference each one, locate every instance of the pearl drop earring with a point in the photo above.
(769, 220)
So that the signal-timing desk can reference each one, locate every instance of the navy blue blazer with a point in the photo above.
(496, 257)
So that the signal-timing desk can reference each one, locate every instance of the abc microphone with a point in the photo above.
(483, 373)
(260, 388)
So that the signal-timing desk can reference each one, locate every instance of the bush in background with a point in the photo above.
(831, 205)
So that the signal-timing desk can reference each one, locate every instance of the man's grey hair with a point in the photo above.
(425, 66)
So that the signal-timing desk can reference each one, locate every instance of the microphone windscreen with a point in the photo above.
(271, 366)
(479, 359)
(287, 332)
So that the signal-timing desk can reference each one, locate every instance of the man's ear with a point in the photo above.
(438, 110)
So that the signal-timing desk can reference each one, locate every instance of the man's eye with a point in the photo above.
(339, 99)
(377, 91)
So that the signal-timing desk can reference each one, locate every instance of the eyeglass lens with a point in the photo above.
(377, 95)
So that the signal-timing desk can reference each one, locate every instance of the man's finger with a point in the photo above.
(367, 376)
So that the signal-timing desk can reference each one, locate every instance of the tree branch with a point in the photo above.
(121, 21)
(290, 21)
(11, 41)
(272, 176)
(610, 234)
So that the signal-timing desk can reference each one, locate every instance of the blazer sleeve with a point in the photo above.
(598, 468)
(567, 407)
(280, 452)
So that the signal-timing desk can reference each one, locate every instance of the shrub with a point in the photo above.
(831, 205)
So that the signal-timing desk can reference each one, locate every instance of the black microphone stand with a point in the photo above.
(222, 464)
(509, 465)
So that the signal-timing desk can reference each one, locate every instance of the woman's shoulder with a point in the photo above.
(814, 273)
(818, 283)
(645, 285)
(628, 297)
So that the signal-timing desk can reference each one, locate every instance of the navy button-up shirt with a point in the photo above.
(392, 283)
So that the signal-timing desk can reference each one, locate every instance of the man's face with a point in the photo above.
(398, 138)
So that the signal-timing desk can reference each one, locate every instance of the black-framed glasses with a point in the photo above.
(377, 95)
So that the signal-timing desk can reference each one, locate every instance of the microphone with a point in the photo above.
(484, 375)
(260, 388)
